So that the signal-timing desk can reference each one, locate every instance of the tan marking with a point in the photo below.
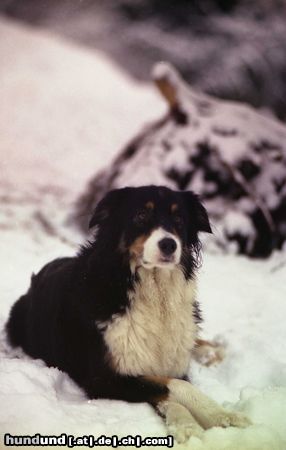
(136, 248)
(157, 379)
(174, 207)
(200, 342)
(150, 205)
(161, 381)
(157, 399)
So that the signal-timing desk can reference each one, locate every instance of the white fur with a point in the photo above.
(180, 422)
(156, 336)
(157, 333)
(152, 255)
(205, 410)
(188, 411)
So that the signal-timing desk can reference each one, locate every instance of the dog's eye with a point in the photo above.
(142, 216)
(178, 219)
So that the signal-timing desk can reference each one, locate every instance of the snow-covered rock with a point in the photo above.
(229, 153)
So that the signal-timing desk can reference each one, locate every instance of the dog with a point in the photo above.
(121, 318)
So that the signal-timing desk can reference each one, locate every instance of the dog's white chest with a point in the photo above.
(156, 334)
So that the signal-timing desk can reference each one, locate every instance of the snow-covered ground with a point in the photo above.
(55, 118)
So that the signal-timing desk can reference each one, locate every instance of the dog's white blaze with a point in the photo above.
(157, 333)
(151, 251)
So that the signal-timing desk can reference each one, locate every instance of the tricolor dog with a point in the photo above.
(121, 317)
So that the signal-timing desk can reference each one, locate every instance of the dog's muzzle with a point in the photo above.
(161, 249)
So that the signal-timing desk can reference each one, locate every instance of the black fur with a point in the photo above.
(56, 319)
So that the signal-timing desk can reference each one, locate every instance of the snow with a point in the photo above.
(243, 305)
(56, 98)
(243, 300)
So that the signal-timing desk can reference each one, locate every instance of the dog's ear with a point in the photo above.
(198, 212)
(106, 205)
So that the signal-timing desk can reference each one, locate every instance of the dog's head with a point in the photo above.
(152, 225)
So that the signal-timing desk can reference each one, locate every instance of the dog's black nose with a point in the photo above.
(167, 246)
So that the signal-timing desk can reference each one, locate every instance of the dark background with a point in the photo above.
(232, 49)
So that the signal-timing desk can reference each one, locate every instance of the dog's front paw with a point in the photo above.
(208, 353)
(226, 419)
(182, 431)
(238, 420)
(180, 422)
(205, 411)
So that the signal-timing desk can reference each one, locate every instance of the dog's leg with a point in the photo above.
(205, 410)
(154, 390)
(180, 422)
(185, 408)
